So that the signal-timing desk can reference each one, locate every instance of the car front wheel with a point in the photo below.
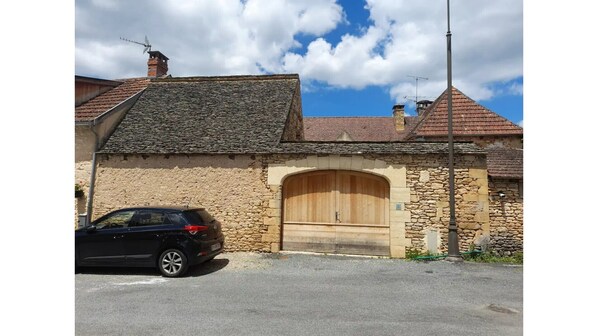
(172, 263)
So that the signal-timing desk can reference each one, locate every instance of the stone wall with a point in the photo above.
(419, 203)
(231, 187)
(244, 193)
(506, 216)
(427, 178)
(82, 177)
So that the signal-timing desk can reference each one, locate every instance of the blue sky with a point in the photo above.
(354, 58)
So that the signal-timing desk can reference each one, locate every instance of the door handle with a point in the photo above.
(338, 216)
(118, 236)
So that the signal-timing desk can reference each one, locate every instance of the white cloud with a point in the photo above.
(408, 38)
(200, 37)
(403, 38)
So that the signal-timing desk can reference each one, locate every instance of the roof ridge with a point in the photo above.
(345, 117)
(227, 78)
(487, 109)
(472, 117)
(425, 115)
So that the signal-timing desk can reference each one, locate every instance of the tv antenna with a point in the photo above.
(147, 45)
(417, 78)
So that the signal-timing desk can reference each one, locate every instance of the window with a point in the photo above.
(198, 217)
(176, 219)
(150, 217)
(117, 220)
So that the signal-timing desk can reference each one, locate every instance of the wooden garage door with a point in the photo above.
(336, 212)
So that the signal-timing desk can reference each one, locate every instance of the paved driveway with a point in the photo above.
(299, 294)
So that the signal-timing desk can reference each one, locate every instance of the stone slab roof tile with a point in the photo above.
(399, 147)
(233, 114)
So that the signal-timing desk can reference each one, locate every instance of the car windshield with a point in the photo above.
(198, 217)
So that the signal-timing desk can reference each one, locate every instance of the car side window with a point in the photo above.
(176, 219)
(119, 219)
(149, 217)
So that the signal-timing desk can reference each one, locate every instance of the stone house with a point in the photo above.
(240, 147)
(501, 139)
(99, 106)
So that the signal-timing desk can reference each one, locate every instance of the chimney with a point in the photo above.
(398, 112)
(422, 105)
(157, 64)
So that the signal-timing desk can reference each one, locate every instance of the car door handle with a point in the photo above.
(118, 236)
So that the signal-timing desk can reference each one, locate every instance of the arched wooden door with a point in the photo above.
(336, 212)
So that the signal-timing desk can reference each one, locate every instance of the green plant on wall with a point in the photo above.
(413, 253)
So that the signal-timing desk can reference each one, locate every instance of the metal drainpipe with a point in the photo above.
(93, 178)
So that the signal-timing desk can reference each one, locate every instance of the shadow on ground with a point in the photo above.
(194, 271)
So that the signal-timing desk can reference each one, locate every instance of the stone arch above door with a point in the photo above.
(396, 175)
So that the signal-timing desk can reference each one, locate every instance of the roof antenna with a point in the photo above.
(417, 78)
(147, 45)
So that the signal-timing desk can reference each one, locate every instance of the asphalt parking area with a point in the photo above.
(301, 294)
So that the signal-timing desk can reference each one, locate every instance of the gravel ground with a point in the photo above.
(304, 294)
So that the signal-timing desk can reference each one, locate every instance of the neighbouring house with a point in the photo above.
(240, 147)
(99, 106)
(501, 139)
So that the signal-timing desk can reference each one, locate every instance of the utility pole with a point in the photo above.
(453, 238)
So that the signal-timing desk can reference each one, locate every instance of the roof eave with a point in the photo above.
(98, 119)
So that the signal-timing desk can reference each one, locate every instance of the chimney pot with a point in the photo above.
(422, 105)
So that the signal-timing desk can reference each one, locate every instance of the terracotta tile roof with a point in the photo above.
(357, 128)
(505, 163)
(469, 119)
(104, 102)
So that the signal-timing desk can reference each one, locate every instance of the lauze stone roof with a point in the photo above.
(235, 114)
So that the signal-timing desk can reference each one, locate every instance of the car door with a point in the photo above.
(145, 236)
(102, 242)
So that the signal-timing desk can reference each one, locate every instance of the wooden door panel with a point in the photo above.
(309, 237)
(362, 199)
(310, 198)
(311, 203)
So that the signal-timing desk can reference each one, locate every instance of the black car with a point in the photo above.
(169, 238)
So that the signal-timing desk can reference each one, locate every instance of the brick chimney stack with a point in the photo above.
(398, 112)
(157, 64)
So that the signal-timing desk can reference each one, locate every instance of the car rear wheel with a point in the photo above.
(172, 263)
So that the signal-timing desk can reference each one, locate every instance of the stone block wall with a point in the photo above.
(231, 187)
(427, 178)
(239, 191)
(506, 216)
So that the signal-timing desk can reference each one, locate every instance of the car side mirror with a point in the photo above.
(91, 228)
